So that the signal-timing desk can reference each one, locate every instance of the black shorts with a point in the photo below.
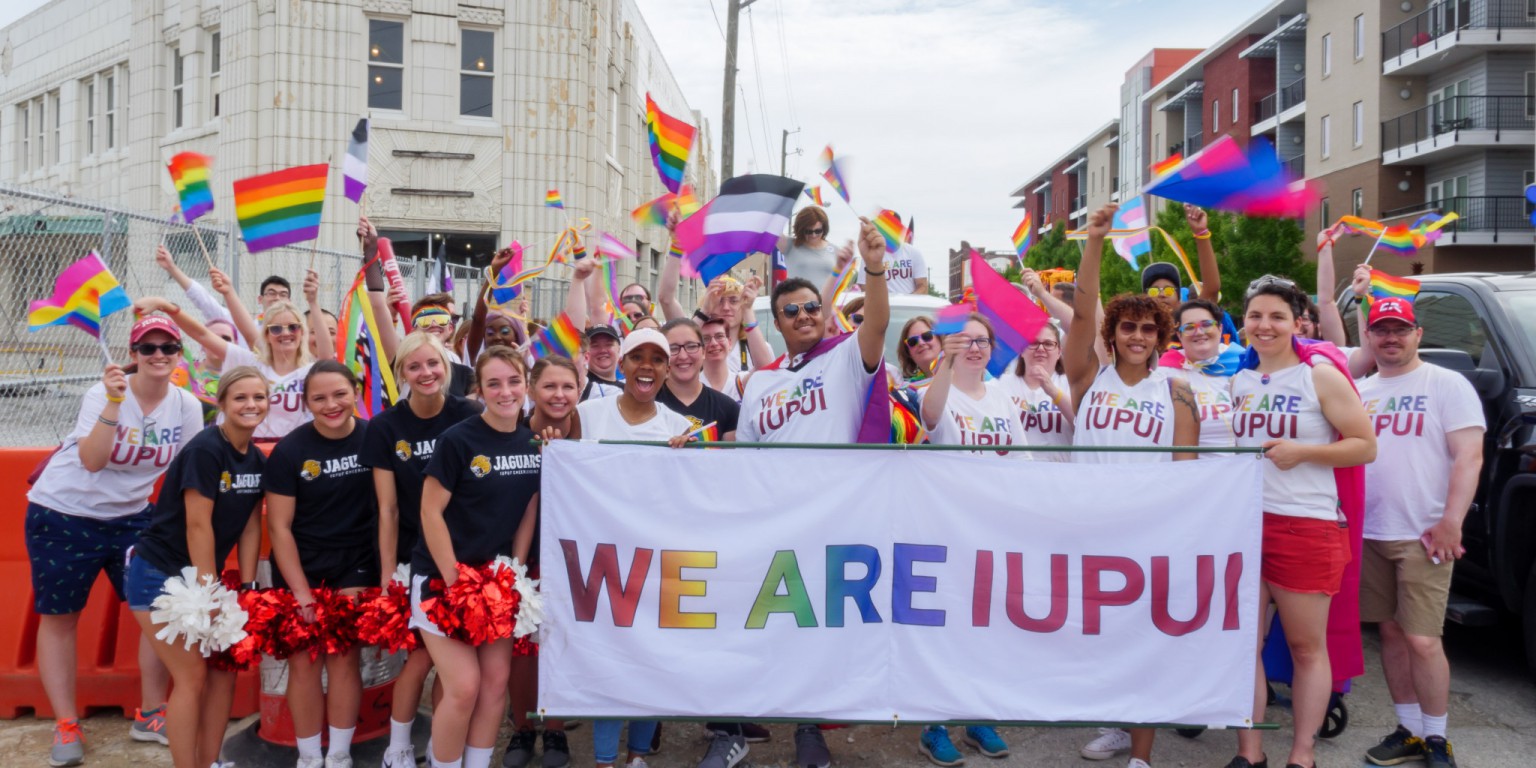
(336, 568)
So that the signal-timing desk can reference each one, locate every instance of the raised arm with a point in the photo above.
(1362, 360)
(1330, 323)
(378, 295)
(238, 315)
(323, 341)
(671, 274)
(1056, 308)
(197, 295)
(758, 349)
(877, 300)
(1078, 356)
(576, 297)
(936, 396)
(1210, 273)
(215, 347)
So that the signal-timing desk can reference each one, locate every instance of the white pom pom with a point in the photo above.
(530, 605)
(185, 609)
(402, 574)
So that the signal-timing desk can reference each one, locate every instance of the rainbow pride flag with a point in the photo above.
(552, 199)
(671, 141)
(190, 172)
(1022, 234)
(814, 193)
(844, 282)
(281, 208)
(357, 347)
(833, 174)
(1173, 161)
(84, 293)
(891, 229)
(708, 433)
(1385, 286)
(560, 338)
(1401, 239)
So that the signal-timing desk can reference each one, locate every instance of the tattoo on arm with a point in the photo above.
(1182, 395)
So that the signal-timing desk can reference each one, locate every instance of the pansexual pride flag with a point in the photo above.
(833, 174)
(671, 142)
(281, 208)
(84, 293)
(1132, 215)
(189, 172)
(1385, 286)
(354, 165)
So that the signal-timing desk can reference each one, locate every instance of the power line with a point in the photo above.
(757, 77)
(789, 91)
(751, 137)
(716, 14)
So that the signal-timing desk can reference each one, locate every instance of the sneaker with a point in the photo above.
(752, 732)
(68, 744)
(986, 741)
(556, 753)
(519, 749)
(1399, 746)
(149, 726)
(811, 747)
(338, 761)
(725, 751)
(1438, 754)
(1242, 762)
(935, 745)
(636, 762)
(402, 757)
(1110, 742)
(1137, 763)
(310, 762)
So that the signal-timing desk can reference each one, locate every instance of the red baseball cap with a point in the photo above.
(1400, 310)
(153, 323)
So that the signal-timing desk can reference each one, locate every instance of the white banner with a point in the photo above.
(855, 585)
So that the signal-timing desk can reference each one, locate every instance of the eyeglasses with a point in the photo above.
(434, 321)
(168, 348)
(1198, 325)
(716, 338)
(1048, 346)
(1266, 281)
(1166, 290)
(817, 232)
(980, 342)
(691, 348)
(634, 298)
(280, 328)
(1382, 331)
(856, 318)
(275, 294)
(500, 330)
(792, 311)
(1147, 329)
(918, 338)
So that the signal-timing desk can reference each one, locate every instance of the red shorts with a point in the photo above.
(1303, 554)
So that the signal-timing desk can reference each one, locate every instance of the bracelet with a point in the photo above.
(674, 251)
(107, 421)
(749, 328)
(116, 398)
(1204, 234)
(879, 272)
(700, 315)
(250, 585)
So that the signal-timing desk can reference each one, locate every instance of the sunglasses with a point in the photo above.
(1166, 290)
(281, 328)
(817, 231)
(856, 318)
(919, 338)
(503, 330)
(1147, 329)
(1198, 325)
(1268, 280)
(434, 321)
(792, 311)
(168, 348)
(634, 298)
(691, 348)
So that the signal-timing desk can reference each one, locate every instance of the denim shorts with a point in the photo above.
(67, 551)
(143, 583)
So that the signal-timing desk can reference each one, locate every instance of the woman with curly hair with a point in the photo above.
(1128, 403)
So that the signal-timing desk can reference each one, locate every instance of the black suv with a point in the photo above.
(1483, 326)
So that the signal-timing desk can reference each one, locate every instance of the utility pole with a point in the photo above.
(784, 152)
(728, 104)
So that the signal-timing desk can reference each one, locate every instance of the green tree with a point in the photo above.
(1247, 247)
(1055, 250)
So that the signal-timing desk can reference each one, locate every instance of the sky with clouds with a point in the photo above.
(941, 107)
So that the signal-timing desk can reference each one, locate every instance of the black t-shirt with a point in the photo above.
(710, 406)
(463, 378)
(334, 506)
(401, 442)
(492, 476)
(212, 467)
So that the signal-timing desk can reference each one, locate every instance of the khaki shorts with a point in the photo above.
(1399, 583)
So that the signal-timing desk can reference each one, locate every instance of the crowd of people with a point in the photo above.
(450, 474)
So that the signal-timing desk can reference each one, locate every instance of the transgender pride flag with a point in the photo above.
(1132, 215)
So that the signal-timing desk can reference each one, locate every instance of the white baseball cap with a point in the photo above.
(642, 337)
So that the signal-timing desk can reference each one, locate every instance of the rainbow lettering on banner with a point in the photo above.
(833, 174)
(357, 347)
(190, 173)
(671, 142)
(814, 193)
(84, 293)
(891, 229)
(1022, 235)
(560, 338)
(1173, 161)
(281, 208)
(1385, 286)
(552, 199)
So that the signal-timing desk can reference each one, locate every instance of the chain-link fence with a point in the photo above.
(44, 373)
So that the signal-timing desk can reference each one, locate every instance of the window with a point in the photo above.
(178, 94)
(110, 114)
(477, 72)
(40, 109)
(88, 95)
(1324, 216)
(1357, 202)
(613, 124)
(1450, 322)
(1234, 106)
(215, 65)
(1449, 195)
(24, 130)
(53, 148)
(386, 63)
(1359, 37)
(1325, 137)
(1216, 116)
(1357, 125)
(1447, 105)
(1327, 49)
(1530, 94)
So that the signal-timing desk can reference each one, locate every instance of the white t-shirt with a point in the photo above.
(1284, 406)
(991, 420)
(1113, 414)
(141, 451)
(1406, 486)
(902, 270)
(1214, 399)
(821, 402)
(601, 420)
(1042, 419)
(286, 412)
(733, 386)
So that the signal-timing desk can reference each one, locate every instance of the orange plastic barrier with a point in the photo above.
(107, 643)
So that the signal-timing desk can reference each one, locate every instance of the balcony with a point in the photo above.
(1491, 220)
(1453, 31)
(1296, 166)
(1293, 99)
(1265, 108)
(1457, 126)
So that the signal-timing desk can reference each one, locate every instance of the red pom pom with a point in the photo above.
(284, 630)
(246, 653)
(480, 607)
(336, 617)
(386, 619)
(525, 646)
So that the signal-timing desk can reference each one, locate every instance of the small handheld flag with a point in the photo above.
(84, 293)
(951, 319)
(552, 199)
(1173, 161)
(671, 142)
(1385, 286)
(814, 193)
(889, 225)
(1016, 321)
(354, 165)
(1132, 215)
(560, 338)
(833, 174)
(1022, 235)
(281, 208)
(189, 172)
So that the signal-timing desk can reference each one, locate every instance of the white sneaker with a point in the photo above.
(636, 762)
(311, 762)
(338, 761)
(1137, 763)
(403, 757)
(1110, 742)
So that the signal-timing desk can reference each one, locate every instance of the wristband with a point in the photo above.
(1204, 234)
(699, 315)
(115, 399)
(249, 586)
(877, 272)
(749, 328)
(106, 421)
(674, 251)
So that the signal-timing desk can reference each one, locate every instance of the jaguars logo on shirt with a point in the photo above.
(480, 466)
(403, 450)
(224, 482)
(310, 469)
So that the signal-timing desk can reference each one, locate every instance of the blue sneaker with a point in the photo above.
(986, 741)
(936, 746)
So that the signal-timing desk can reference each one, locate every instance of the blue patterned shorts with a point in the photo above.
(67, 551)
